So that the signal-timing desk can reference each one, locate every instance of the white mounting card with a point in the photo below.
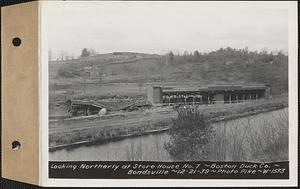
(167, 93)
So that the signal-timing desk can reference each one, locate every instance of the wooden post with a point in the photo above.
(225, 145)
(100, 79)
(140, 84)
(84, 85)
(207, 98)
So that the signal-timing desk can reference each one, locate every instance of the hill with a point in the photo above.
(128, 73)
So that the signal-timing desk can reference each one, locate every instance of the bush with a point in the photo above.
(190, 135)
(66, 74)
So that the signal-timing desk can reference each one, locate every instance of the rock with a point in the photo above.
(103, 111)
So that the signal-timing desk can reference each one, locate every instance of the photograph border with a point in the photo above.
(293, 115)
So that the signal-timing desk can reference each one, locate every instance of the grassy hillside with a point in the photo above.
(129, 73)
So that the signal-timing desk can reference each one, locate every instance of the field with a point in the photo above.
(128, 73)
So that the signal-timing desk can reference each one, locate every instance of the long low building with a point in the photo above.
(207, 95)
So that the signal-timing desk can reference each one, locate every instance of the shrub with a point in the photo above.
(190, 135)
(67, 74)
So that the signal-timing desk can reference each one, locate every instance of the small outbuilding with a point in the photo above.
(85, 108)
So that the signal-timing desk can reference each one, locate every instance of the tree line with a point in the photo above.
(65, 56)
(240, 64)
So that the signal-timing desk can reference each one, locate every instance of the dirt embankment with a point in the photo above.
(68, 132)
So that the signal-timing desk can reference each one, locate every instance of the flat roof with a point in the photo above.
(215, 88)
(88, 103)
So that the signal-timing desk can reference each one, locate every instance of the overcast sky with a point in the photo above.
(158, 27)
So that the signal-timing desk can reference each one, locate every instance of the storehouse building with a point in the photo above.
(207, 95)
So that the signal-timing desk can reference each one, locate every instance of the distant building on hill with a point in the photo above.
(91, 72)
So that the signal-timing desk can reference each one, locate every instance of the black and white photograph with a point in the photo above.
(168, 82)
(150, 93)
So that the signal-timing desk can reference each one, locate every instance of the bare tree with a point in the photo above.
(92, 51)
(50, 55)
(63, 55)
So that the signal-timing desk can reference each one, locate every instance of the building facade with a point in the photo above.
(217, 94)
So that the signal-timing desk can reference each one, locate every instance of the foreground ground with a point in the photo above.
(120, 124)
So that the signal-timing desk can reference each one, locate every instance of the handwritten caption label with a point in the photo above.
(233, 170)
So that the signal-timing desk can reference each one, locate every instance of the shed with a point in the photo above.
(84, 108)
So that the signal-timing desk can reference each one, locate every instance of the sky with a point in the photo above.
(158, 27)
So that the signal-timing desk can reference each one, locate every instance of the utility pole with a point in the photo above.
(140, 78)
(100, 76)
(227, 63)
(100, 79)
(227, 73)
(84, 85)
(225, 143)
(140, 82)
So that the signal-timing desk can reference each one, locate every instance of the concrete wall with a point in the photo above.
(219, 98)
(154, 95)
(268, 92)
